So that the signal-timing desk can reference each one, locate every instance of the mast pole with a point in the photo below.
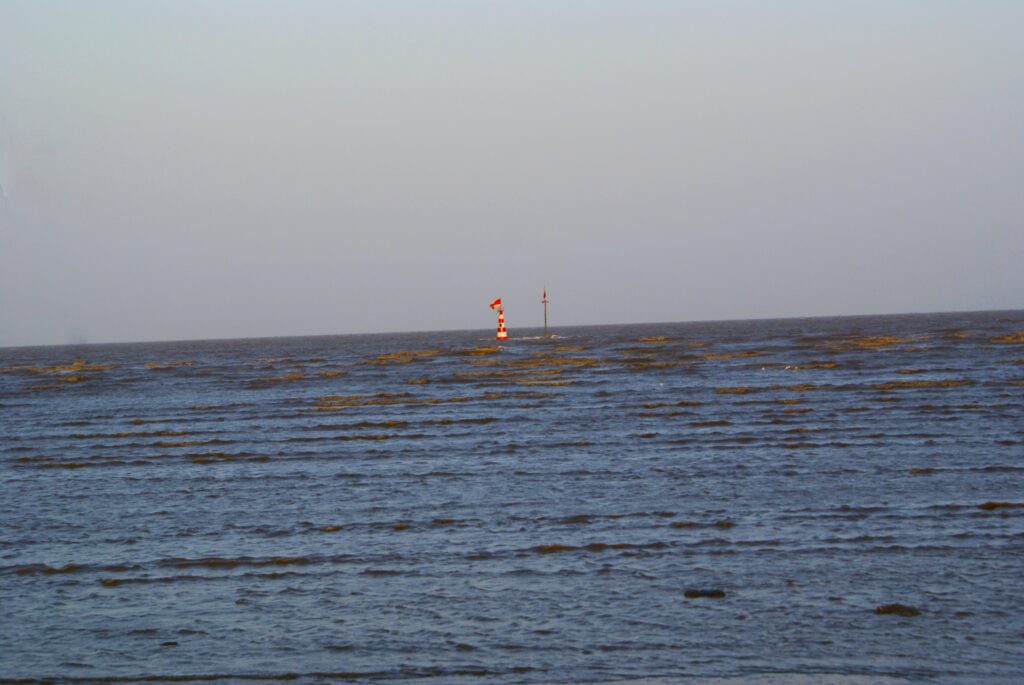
(545, 301)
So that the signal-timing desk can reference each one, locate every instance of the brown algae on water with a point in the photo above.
(734, 355)
(896, 609)
(899, 385)
(1009, 339)
(164, 366)
(682, 524)
(75, 367)
(810, 365)
(402, 357)
(871, 342)
(484, 350)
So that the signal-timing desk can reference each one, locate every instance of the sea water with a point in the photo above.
(694, 500)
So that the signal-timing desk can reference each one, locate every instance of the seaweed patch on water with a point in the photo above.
(43, 569)
(167, 366)
(78, 366)
(897, 610)
(401, 357)
(271, 381)
(900, 385)
(810, 365)
(597, 547)
(871, 342)
(666, 414)
(736, 390)
(206, 458)
(227, 563)
(442, 522)
(734, 355)
(578, 519)
(681, 403)
(1009, 339)
(484, 350)
(989, 506)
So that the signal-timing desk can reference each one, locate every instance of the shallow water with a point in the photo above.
(338, 508)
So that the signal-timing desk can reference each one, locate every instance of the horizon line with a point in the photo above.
(466, 330)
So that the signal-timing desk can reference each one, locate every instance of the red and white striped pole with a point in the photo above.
(502, 333)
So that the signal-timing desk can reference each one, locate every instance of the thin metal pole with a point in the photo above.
(545, 311)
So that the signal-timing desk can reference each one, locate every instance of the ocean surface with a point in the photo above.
(668, 502)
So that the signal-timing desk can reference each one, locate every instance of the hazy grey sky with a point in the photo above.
(208, 169)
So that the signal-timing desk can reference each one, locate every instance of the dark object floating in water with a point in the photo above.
(169, 643)
(989, 506)
(695, 594)
(898, 609)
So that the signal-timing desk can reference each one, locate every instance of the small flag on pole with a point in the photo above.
(496, 304)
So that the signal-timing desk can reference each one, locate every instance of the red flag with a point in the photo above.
(545, 295)
(496, 304)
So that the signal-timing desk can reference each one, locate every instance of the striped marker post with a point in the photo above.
(502, 333)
